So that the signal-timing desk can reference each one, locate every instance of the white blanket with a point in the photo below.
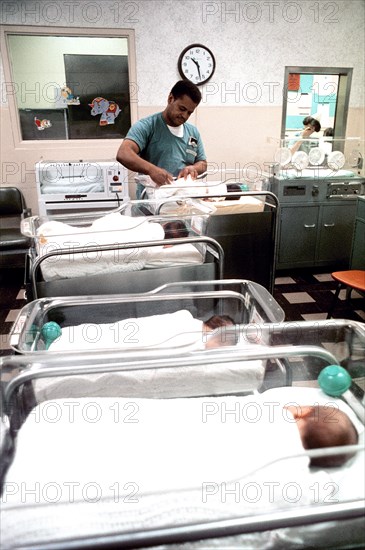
(110, 229)
(187, 188)
(174, 255)
(178, 329)
(160, 445)
(177, 333)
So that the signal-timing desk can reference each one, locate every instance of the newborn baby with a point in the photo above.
(324, 426)
(166, 330)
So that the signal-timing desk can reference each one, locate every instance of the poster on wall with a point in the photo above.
(293, 82)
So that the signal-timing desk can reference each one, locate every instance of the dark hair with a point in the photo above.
(328, 132)
(328, 427)
(217, 321)
(316, 124)
(307, 120)
(231, 188)
(175, 230)
(310, 121)
(186, 87)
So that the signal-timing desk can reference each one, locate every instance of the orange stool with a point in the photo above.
(353, 279)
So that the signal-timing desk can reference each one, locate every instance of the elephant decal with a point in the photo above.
(109, 110)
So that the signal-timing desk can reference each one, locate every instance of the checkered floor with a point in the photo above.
(307, 295)
(303, 295)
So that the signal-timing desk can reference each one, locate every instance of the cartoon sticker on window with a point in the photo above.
(109, 110)
(42, 124)
(68, 96)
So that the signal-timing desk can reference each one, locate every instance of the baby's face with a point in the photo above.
(218, 338)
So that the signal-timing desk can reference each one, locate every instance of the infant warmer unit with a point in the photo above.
(82, 186)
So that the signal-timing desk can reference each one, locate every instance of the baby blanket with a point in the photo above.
(110, 229)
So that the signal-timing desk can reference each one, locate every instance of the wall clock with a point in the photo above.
(196, 63)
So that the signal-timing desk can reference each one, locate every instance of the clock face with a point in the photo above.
(196, 63)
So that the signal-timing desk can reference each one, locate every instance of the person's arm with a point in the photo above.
(128, 155)
(193, 170)
(305, 134)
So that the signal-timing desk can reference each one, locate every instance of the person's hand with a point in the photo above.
(160, 176)
(188, 171)
(307, 132)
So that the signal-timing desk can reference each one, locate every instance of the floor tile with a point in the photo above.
(361, 314)
(4, 342)
(21, 294)
(298, 297)
(342, 295)
(314, 316)
(12, 315)
(323, 277)
(284, 281)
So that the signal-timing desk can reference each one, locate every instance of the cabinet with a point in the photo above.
(298, 228)
(315, 235)
(358, 243)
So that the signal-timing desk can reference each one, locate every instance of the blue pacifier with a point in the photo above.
(50, 332)
(334, 380)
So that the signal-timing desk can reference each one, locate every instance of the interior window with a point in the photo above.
(70, 87)
(319, 92)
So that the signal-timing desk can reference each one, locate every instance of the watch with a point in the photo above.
(196, 63)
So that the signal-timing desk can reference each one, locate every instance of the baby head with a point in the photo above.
(175, 230)
(325, 426)
(215, 334)
(231, 188)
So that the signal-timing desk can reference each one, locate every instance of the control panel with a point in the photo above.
(344, 190)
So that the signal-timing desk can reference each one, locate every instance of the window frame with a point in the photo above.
(343, 95)
(10, 98)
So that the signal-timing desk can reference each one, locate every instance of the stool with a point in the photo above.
(352, 279)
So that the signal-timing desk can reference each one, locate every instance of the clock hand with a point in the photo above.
(197, 66)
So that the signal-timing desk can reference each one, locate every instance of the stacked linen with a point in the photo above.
(109, 230)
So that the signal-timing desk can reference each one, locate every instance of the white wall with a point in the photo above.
(252, 42)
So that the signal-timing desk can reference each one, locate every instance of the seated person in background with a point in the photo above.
(311, 125)
(324, 426)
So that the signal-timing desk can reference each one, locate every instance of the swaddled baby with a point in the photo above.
(172, 330)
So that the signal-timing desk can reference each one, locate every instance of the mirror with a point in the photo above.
(320, 92)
